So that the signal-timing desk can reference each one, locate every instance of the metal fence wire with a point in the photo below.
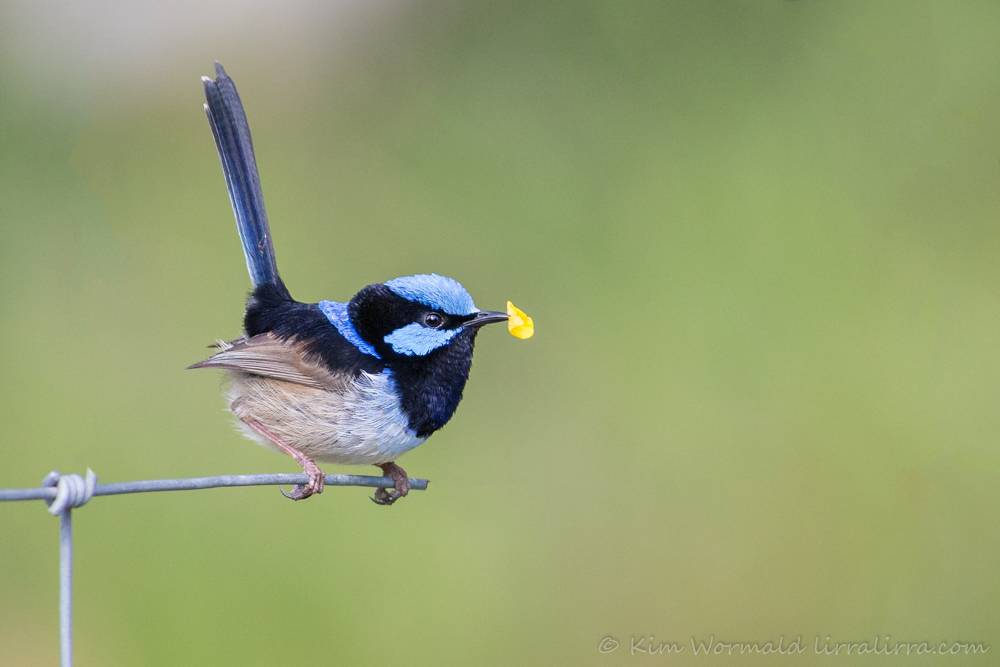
(64, 493)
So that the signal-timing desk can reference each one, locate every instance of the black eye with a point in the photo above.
(433, 320)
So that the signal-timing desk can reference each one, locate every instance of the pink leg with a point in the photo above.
(402, 484)
(316, 476)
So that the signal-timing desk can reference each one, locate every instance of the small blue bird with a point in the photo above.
(361, 382)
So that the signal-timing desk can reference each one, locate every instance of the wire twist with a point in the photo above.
(72, 491)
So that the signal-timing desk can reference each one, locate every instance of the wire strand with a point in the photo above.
(64, 492)
(218, 481)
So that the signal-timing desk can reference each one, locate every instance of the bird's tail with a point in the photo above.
(232, 138)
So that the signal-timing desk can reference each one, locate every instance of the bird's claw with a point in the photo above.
(400, 487)
(383, 497)
(315, 485)
(298, 492)
(316, 476)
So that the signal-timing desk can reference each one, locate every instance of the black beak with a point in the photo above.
(486, 317)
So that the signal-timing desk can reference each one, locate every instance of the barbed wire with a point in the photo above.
(64, 493)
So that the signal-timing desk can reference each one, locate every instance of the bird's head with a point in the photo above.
(412, 317)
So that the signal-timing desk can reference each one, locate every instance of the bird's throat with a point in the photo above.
(430, 387)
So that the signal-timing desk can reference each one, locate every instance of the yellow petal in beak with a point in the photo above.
(518, 324)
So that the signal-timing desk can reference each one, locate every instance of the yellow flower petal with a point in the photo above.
(518, 324)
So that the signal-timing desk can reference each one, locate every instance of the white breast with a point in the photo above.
(363, 424)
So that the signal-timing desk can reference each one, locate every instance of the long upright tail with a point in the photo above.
(232, 138)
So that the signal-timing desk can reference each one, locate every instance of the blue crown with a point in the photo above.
(434, 291)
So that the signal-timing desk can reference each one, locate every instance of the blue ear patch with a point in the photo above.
(336, 312)
(434, 291)
(417, 340)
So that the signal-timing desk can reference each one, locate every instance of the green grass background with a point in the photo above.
(760, 244)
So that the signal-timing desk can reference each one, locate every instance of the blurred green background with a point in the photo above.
(760, 243)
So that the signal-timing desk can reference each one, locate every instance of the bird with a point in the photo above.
(355, 383)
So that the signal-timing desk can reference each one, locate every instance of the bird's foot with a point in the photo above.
(315, 484)
(401, 488)
(316, 476)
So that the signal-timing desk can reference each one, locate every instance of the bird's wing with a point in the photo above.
(269, 356)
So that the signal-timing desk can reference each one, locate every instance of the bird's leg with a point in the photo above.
(316, 476)
(402, 487)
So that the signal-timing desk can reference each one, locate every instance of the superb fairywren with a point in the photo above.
(361, 382)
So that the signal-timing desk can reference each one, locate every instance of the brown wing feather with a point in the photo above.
(268, 356)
